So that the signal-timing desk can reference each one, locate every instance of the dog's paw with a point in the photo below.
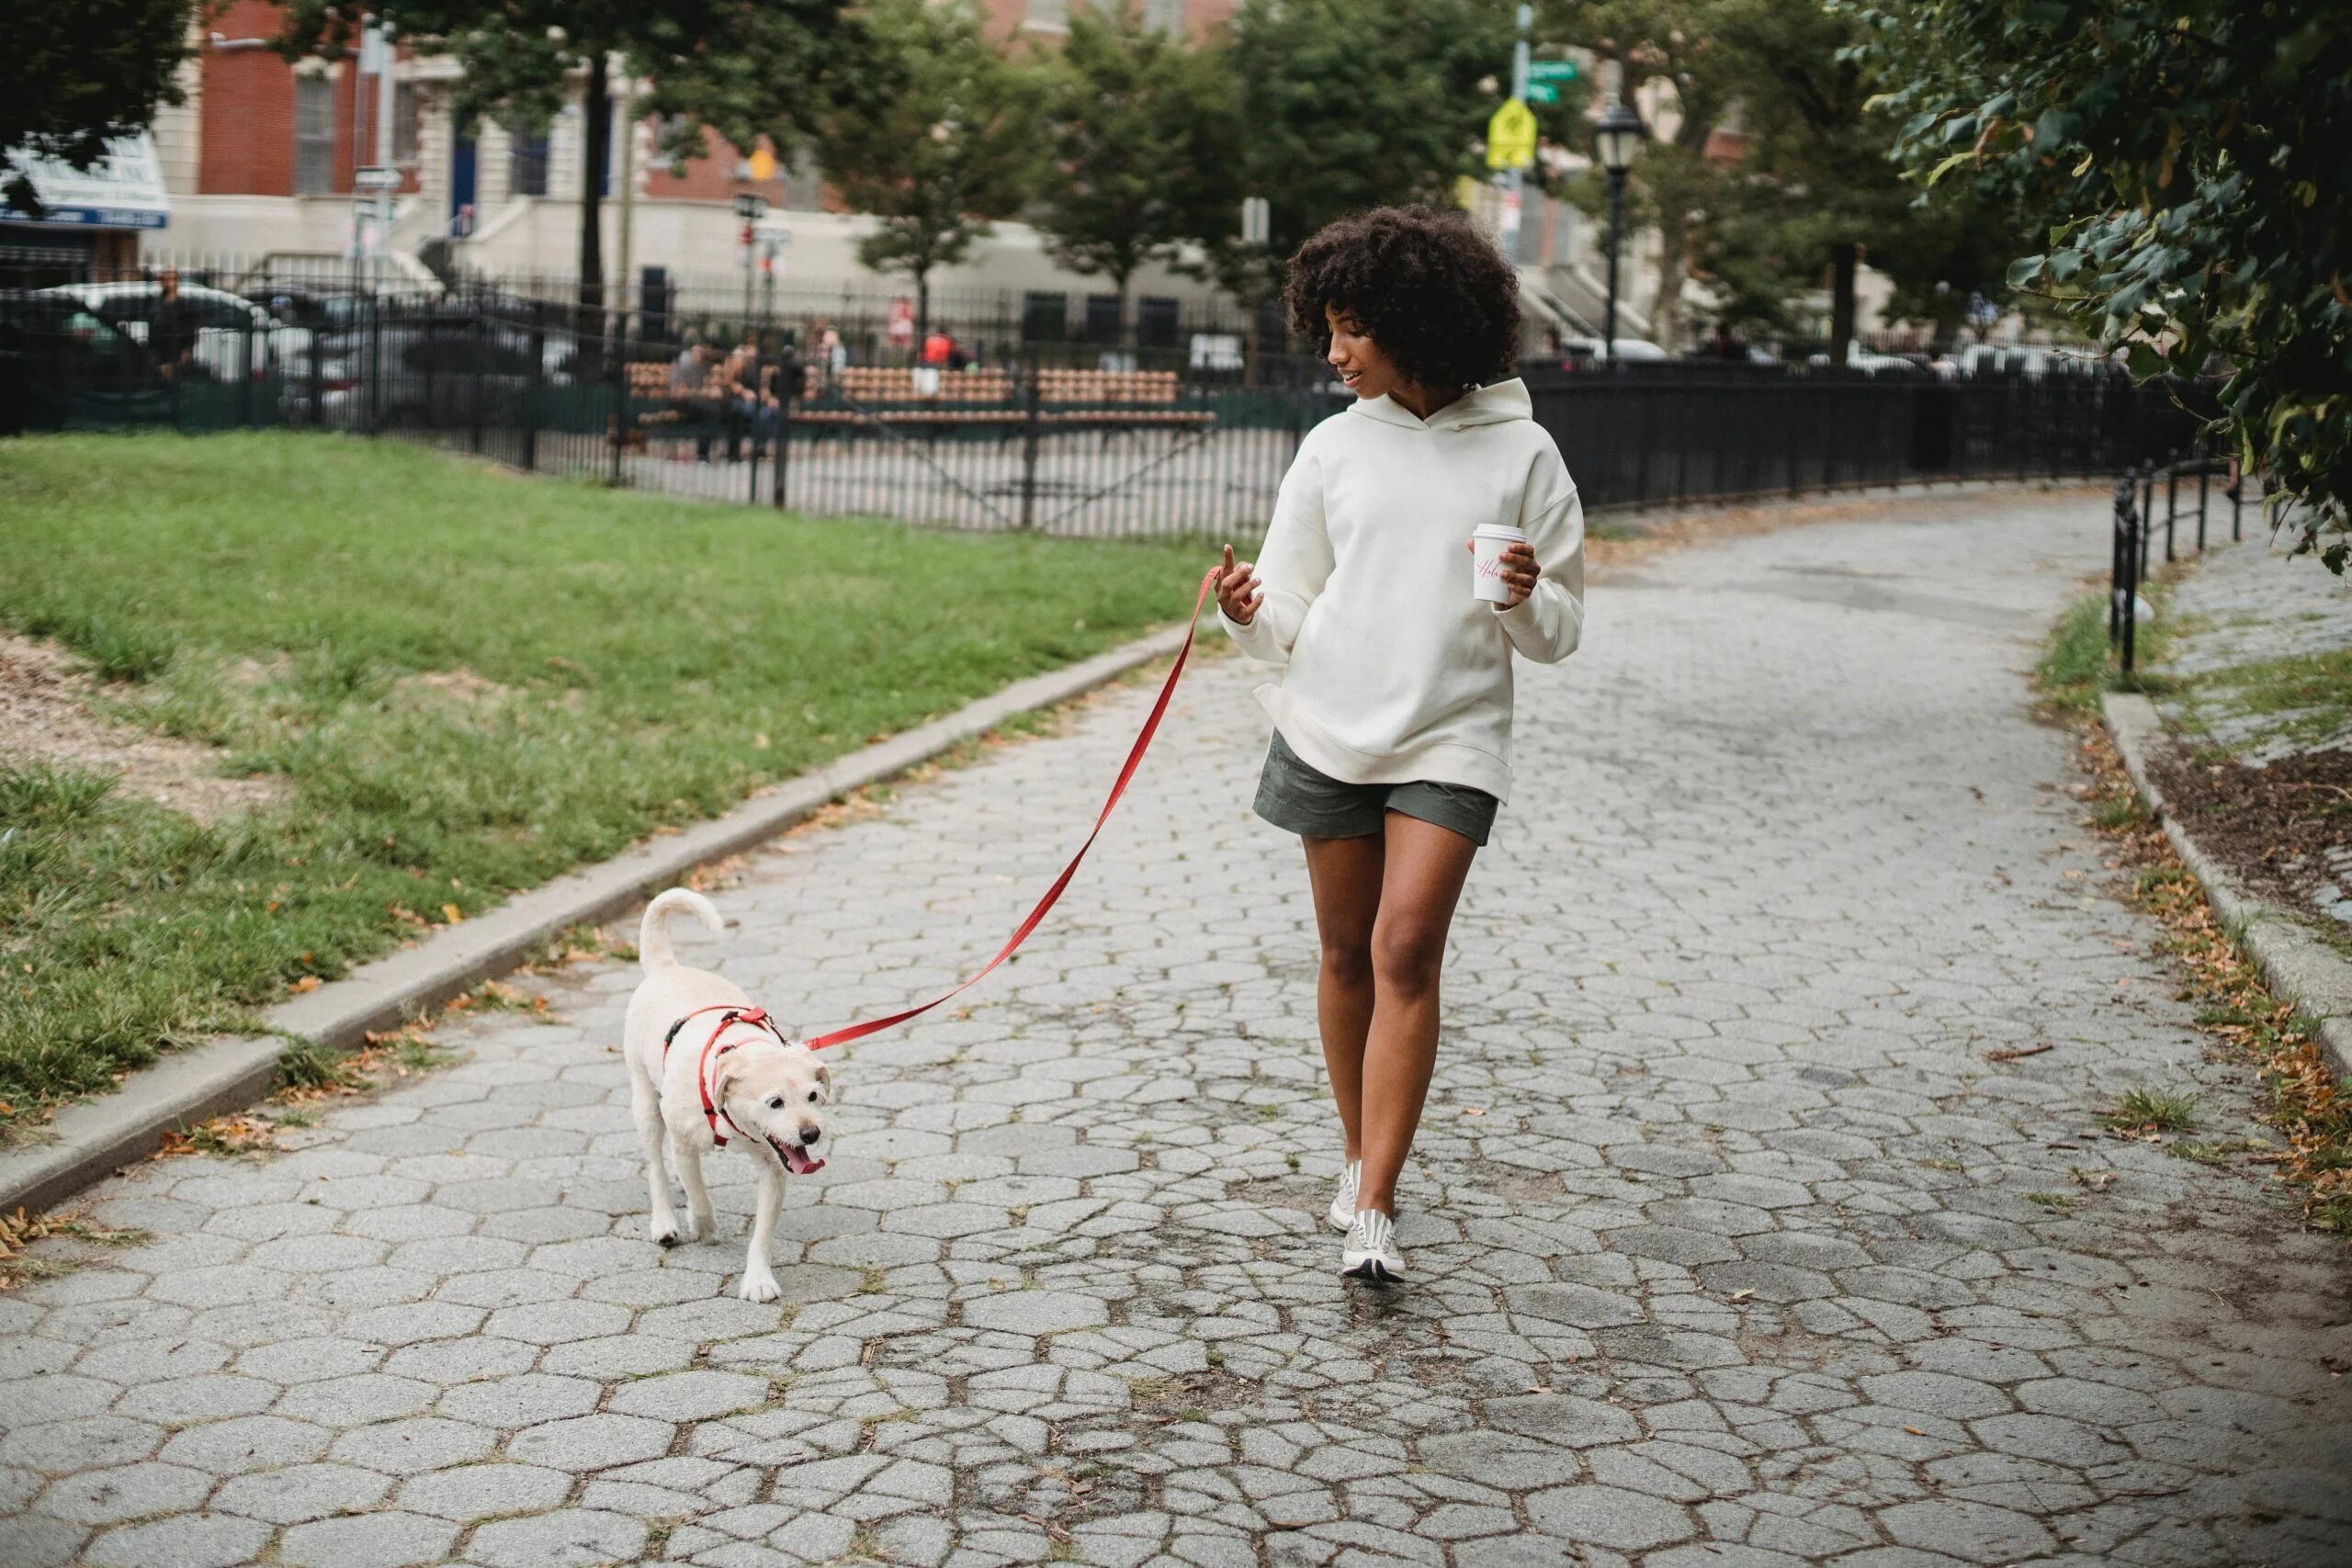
(666, 1232)
(759, 1287)
(699, 1226)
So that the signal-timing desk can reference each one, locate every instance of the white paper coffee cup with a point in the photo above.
(1487, 548)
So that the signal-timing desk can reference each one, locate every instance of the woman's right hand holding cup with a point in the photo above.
(1238, 590)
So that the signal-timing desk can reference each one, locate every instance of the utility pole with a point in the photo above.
(1513, 179)
(625, 110)
(385, 104)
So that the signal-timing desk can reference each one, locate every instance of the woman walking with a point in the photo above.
(1395, 638)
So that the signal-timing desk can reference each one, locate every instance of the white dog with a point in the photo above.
(708, 1068)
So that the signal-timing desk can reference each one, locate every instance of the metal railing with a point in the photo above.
(1143, 441)
(2134, 527)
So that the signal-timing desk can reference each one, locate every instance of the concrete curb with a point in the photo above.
(88, 1140)
(2296, 964)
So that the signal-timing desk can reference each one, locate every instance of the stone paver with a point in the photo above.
(1733, 1247)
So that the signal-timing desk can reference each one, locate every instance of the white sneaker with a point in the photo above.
(1343, 1201)
(1370, 1252)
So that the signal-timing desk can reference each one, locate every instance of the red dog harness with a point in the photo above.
(729, 1015)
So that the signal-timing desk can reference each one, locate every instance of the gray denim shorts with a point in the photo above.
(1299, 798)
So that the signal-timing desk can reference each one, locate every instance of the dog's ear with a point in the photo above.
(825, 1082)
(723, 1076)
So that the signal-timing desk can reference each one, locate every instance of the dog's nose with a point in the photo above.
(809, 1135)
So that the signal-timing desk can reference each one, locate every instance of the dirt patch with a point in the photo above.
(459, 684)
(46, 716)
(2285, 828)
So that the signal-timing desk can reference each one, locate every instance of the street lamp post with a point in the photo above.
(1618, 136)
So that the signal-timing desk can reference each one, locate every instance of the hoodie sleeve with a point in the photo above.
(1292, 568)
(1547, 625)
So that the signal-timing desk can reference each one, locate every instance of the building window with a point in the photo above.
(526, 161)
(405, 114)
(1049, 15)
(1168, 16)
(1102, 318)
(1156, 321)
(313, 135)
(1045, 316)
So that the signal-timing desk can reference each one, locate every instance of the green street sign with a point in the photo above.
(1552, 71)
(1542, 93)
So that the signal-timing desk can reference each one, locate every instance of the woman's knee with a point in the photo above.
(1407, 955)
(1348, 958)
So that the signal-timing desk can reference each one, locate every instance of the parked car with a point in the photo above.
(434, 372)
(56, 358)
(2028, 359)
(423, 364)
(233, 336)
(1581, 353)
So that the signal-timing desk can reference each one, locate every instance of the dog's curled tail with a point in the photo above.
(653, 934)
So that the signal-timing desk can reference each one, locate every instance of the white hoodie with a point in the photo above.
(1393, 669)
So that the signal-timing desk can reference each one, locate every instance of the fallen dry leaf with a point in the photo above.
(307, 982)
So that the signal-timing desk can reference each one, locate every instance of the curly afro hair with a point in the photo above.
(1424, 285)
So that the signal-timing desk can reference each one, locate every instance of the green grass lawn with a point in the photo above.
(465, 681)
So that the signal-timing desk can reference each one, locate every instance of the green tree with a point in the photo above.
(1135, 136)
(938, 138)
(743, 67)
(74, 75)
(2184, 158)
(1673, 184)
(1336, 106)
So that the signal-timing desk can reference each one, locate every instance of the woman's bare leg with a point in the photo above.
(1345, 875)
(1421, 881)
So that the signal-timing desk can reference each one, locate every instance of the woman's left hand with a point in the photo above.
(1519, 571)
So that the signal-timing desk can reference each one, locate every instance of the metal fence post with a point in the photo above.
(2172, 499)
(2118, 523)
(533, 401)
(318, 387)
(375, 365)
(481, 349)
(620, 399)
(2204, 480)
(784, 391)
(1030, 432)
(2134, 550)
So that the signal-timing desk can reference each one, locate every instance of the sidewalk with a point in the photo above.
(2261, 655)
(1733, 1247)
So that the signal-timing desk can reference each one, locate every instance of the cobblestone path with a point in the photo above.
(1733, 1247)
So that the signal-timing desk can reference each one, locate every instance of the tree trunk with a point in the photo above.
(1673, 247)
(1951, 308)
(1120, 281)
(596, 122)
(1844, 256)
(922, 309)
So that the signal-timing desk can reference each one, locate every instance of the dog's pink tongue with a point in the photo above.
(797, 1160)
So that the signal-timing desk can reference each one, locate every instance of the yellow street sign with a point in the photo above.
(1510, 137)
(763, 166)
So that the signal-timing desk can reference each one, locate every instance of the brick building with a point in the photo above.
(260, 163)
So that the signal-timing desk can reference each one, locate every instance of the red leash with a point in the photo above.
(1053, 894)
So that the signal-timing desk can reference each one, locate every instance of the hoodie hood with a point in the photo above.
(1496, 403)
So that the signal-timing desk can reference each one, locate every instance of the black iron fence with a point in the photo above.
(2138, 490)
(1131, 441)
(1656, 435)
